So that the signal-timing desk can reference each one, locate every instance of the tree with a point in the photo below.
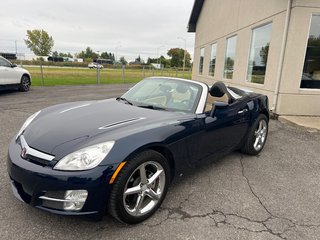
(229, 63)
(176, 55)
(106, 55)
(312, 63)
(264, 54)
(152, 60)
(164, 61)
(314, 41)
(55, 54)
(138, 59)
(65, 55)
(123, 61)
(88, 53)
(39, 42)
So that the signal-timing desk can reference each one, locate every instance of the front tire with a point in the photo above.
(140, 187)
(25, 83)
(257, 136)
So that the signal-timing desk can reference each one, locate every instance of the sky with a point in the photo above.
(127, 28)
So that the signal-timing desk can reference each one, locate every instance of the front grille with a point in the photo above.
(33, 155)
(37, 161)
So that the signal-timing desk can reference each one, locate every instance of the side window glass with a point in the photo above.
(310, 77)
(4, 63)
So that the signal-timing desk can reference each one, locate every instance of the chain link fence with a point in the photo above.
(58, 75)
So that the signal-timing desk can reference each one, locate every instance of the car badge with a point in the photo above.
(23, 152)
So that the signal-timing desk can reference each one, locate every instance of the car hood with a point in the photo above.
(59, 129)
(22, 70)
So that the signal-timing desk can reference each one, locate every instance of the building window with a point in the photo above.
(311, 69)
(201, 60)
(229, 59)
(260, 42)
(212, 64)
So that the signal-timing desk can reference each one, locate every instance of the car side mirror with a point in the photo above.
(13, 65)
(218, 105)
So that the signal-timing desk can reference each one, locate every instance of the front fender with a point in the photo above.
(171, 138)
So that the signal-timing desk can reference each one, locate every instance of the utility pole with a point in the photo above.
(119, 46)
(158, 55)
(184, 54)
(15, 44)
(98, 68)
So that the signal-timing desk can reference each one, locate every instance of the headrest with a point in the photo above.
(181, 88)
(218, 89)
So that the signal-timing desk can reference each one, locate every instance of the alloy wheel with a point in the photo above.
(144, 188)
(25, 83)
(260, 135)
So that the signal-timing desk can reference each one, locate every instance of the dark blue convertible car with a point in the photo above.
(120, 155)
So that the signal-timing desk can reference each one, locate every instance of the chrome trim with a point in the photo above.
(60, 200)
(242, 111)
(120, 123)
(33, 152)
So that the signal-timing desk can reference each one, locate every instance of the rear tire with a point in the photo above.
(25, 83)
(140, 187)
(257, 136)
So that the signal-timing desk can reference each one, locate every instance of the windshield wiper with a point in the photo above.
(152, 107)
(124, 100)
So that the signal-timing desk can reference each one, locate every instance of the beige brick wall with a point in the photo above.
(220, 19)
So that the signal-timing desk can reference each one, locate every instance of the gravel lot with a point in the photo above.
(272, 196)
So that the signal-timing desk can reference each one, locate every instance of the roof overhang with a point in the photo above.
(197, 6)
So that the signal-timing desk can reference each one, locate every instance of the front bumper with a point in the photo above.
(30, 181)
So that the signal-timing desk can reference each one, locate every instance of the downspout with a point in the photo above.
(282, 51)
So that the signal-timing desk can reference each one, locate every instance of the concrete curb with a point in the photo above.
(308, 123)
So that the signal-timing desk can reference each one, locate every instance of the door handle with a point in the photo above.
(243, 111)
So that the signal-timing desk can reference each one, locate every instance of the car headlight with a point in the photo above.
(26, 123)
(86, 158)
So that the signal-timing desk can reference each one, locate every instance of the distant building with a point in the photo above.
(61, 59)
(68, 59)
(156, 65)
(9, 56)
(54, 59)
(271, 47)
(103, 61)
(78, 60)
(135, 62)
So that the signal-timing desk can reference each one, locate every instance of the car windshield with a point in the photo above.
(165, 94)
(4, 62)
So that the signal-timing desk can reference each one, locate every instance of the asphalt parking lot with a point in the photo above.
(275, 195)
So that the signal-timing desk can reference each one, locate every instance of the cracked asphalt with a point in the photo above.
(271, 196)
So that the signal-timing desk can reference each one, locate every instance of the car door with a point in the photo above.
(221, 132)
(8, 75)
(3, 71)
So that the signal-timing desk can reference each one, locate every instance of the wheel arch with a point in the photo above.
(160, 148)
(168, 155)
(264, 106)
(28, 75)
(265, 112)
(261, 106)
